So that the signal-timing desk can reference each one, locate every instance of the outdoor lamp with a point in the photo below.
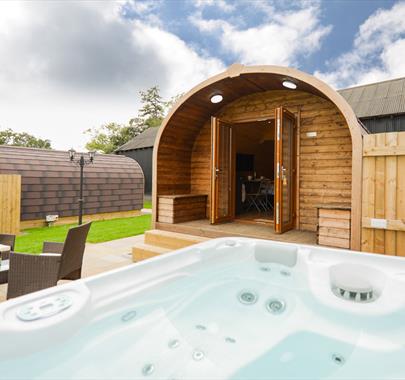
(81, 162)
(289, 84)
(91, 155)
(71, 154)
(217, 98)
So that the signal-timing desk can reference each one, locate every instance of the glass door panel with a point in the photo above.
(222, 202)
(285, 170)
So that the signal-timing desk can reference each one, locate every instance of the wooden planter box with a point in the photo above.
(181, 208)
(334, 225)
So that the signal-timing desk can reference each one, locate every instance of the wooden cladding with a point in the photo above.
(383, 203)
(325, 164)
(389, 224)
(181, 208)
(384, 151)
(10, 203)
(334, 226)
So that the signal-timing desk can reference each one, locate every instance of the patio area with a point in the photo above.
(100, 257)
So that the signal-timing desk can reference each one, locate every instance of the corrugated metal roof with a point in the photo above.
(144, 140)
(377, 99)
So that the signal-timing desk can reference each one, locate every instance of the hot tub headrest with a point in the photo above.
(276, 253)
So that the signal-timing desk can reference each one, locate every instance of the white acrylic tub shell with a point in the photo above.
(183, 315)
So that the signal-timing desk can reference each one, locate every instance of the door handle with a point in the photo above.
(284, 175)
(283, 170)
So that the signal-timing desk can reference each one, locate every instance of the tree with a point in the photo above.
(172, 101)
(9, 137)
(152, 104)
(151, 113)
(109, 137)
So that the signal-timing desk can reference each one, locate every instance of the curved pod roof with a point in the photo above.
(240, 80)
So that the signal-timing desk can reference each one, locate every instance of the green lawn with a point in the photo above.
(147, 204)
(104, 230)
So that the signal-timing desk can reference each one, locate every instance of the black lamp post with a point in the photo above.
(82, 162)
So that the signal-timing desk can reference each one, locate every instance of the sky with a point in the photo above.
(66, 66)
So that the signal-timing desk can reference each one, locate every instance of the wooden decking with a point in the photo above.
(203, 228)
(158, 242)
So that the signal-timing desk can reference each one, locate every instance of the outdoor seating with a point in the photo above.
(29, 273)
(268, 190)
(258, 198)
(6, 240)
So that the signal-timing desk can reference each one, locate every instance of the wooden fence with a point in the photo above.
(383, 198)
(10, 203)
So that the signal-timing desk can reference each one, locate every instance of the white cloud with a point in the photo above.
(378, 51)
(207, 25)
(142, 7)
(282, 40)
(221, 4)
(68, 66)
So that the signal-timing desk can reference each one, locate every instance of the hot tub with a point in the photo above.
(228, 308)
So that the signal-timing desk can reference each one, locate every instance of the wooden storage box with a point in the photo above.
(181, 208)
(334, 226)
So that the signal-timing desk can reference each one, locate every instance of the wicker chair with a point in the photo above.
(7, 239)
(29, 273)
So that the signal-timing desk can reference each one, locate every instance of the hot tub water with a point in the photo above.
(213, 312)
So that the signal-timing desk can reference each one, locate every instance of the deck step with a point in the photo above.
(142, 251)
(171, 240)
(158, 242)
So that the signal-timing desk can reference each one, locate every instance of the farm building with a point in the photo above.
(380, 106)
(140, 148)
(113, 185)
(262, 148)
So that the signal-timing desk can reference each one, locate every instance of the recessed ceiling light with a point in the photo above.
(289, 84)
(216, 98)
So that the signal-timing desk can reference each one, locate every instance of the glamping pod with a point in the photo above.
(263, 146)
(113, 185)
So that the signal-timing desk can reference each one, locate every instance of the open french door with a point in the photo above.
(222, 208)
(285, 178)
